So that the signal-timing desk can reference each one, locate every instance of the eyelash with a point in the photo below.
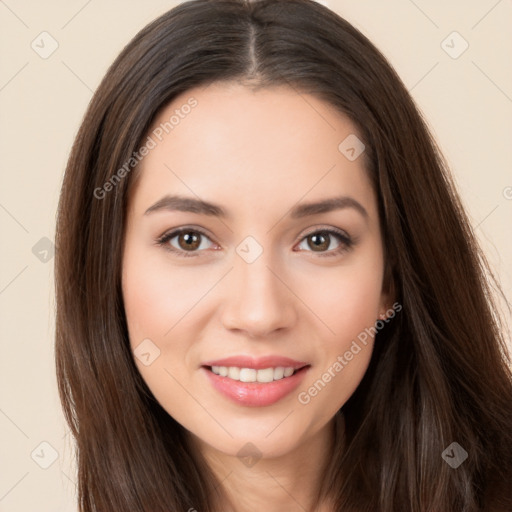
(346, 243)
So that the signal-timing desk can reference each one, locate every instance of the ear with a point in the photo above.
(388, 296)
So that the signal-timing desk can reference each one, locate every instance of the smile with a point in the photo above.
(253, 375)
(254, 388)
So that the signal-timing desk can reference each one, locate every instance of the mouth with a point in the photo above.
(251, 387)
(262, 375)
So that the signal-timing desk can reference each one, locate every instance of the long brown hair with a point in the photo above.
(439, 371)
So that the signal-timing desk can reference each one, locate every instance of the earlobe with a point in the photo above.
(388, 296)
(383, 316)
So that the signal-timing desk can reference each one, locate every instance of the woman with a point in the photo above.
(268, 293)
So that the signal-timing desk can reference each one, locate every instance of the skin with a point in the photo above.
(257, 154)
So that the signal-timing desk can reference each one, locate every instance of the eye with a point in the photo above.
(320, 241)
(188, 241)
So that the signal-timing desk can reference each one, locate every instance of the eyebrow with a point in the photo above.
(192, 205)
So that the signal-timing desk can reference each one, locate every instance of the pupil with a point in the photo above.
(191, 240)
(320, 241)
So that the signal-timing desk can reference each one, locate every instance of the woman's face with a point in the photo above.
(255, 276)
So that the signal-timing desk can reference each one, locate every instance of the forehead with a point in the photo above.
(249, 149)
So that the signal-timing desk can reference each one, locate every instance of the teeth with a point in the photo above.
(278, 373)
(252, 375)
(247, 375)
(266, 375)
(234, 373)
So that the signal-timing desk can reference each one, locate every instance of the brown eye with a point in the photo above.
(319, 241)
(189, 240)
(185, 242)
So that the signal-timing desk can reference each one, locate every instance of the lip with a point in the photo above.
(255, 394)
(257, 363)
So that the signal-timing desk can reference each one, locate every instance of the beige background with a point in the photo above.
(466, 100)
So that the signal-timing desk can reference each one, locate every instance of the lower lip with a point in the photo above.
(256, 394)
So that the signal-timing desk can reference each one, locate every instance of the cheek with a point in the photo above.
(348, 298)
(353, 306)
(165, 303)
(347, 301)
(156, 303)
(156, 294)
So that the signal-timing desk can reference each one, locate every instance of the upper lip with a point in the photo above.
(258, 363)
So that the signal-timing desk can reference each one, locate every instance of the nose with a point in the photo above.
(257, 299)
